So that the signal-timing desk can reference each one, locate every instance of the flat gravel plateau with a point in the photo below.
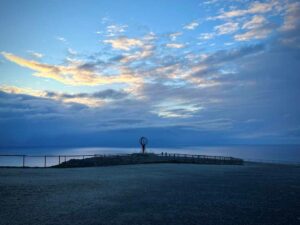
(149, 194)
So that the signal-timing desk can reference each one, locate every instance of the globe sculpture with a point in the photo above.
(143, 142)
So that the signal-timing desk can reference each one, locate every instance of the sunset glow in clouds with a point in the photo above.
(206, 72)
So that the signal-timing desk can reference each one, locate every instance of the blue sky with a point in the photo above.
(183, 73)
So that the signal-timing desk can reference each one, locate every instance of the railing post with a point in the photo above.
(45, 161)
(59, 160)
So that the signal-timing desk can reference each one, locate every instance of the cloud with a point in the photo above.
(175, 45)
(104, 94)
(254, 8)
(109, 94)
(17, 90)
(260, 33)
(145, 52)
(137, 50)
(207, 72)
(206, 36)
(71, 52)
(256, 22)
(61, 39)
(291, 17)
(227, 28)
(176, 108)
(95, 99)
(183, 108)
(289, 32)
(225, 56)
(222, 95)
(151, 36)
(210, 2)
(72, 74)
(124, 43)
(35, 54)
(191, 26)
(115, 29)
(257, 28)
(173, 36)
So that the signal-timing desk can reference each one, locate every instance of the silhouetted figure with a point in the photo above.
(143, 142)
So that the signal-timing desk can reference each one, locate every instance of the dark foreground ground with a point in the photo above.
(151, 194)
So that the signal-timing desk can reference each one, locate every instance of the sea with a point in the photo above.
(35, 157)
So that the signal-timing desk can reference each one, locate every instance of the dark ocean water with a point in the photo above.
(259, 153)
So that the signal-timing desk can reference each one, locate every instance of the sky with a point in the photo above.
(182, 73)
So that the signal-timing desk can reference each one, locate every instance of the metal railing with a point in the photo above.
(22, 160)
(196, 156)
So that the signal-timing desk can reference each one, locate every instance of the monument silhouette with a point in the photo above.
(143, 142)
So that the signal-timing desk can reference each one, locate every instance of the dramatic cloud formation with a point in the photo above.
(232, 80)
(75, 73)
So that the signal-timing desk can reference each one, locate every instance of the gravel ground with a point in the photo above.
(151, 194)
